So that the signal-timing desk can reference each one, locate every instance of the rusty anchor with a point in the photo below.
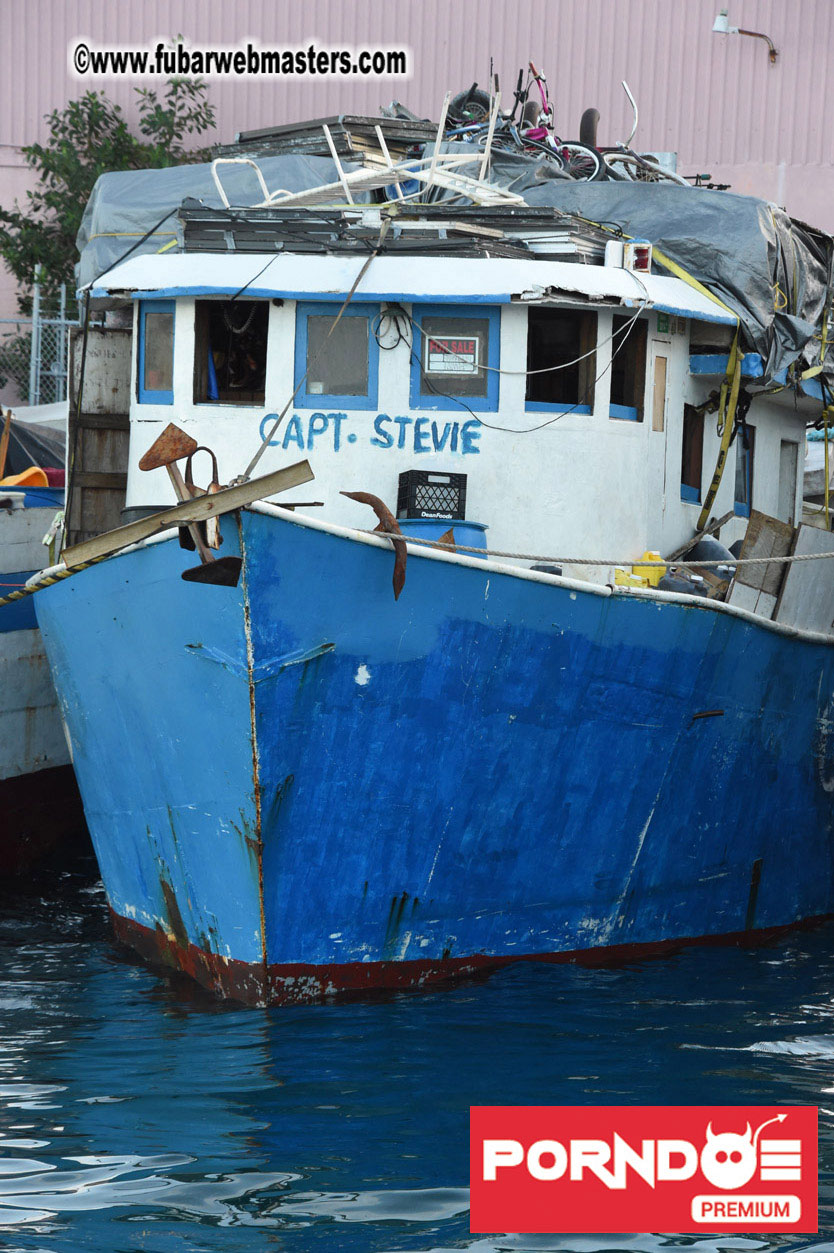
(210, 529)
(171, 446)
(388, 525)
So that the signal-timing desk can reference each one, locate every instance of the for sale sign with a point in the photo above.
(687, 1168)
(449, 354)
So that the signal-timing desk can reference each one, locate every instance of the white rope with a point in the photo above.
(598, 561)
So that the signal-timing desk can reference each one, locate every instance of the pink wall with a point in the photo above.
(715, 99)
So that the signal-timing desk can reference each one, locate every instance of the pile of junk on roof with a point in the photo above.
(476, 172)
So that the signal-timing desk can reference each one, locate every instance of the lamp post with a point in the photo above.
(721, 26)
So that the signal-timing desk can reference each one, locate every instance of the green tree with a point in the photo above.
(87, 138)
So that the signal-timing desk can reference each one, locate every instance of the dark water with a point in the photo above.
(137, 1113)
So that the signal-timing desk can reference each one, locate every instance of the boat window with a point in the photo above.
(561, 359)
(336, 357)
(455, 358)
(745, 446)
(628, 368)
(692, 458)
(230, 341)
(155, 372)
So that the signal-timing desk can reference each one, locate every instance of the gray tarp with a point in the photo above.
(773, 272)
(33, 445)
(127, 203)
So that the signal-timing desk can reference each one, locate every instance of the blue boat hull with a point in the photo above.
(300, 786)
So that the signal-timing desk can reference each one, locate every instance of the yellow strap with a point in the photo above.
(825, 413)
(129, 234)
(728, 402)
(681, 273)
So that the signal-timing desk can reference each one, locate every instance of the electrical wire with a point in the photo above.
(252, 279)
(547, 369)
(582, 403)
(625, 331)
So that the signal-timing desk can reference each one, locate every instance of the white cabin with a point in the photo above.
(433, 366)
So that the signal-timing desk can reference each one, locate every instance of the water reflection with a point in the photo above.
(138, 1113)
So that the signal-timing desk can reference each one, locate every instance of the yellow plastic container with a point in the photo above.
(651, 574)
(625, 578)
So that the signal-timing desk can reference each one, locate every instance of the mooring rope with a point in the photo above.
(599, 561)
(56, 574)
(46, 580)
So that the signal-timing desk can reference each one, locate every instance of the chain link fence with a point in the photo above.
(33, 353)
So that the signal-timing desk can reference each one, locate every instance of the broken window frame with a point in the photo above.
(420, 399)
(636, 345)
(586, 369)
(149, 395)
(745, 456)
(316, 400)
(200, 394)
(692, 438)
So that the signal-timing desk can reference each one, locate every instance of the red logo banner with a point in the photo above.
(686, 1168)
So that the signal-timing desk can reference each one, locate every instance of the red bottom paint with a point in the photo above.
(42, 819)
(299, 983)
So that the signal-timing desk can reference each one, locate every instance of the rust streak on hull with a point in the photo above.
(299, 983)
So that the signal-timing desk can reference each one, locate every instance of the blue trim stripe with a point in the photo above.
(375, 297)
(626, 413)
(328, 297)
(752, 366)
(545, 406)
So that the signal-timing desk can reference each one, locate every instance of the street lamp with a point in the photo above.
(721, 26)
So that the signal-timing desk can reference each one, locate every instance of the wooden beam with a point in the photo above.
(103, 422)
(114, 481)
(714, 524)
(197, 510)
(4, 441)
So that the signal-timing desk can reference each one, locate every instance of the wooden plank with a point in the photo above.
(103, 422)
(98, 478)
(98, 436)
(765, 537)
(807, 596)
(4, 441)
(712, 528)
(659, 395)
(106, 372)
(197, 510)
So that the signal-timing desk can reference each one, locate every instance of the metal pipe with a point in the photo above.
(755, 34)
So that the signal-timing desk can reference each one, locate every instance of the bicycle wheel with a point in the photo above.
(532, 148)
(627, 165)
(502, 140)
(580, 161)
(471, 106)
(659, 175)
(623, 166)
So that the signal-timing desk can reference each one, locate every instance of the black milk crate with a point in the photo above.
(429, 494)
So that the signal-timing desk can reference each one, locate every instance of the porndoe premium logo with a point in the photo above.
(685, 1168)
